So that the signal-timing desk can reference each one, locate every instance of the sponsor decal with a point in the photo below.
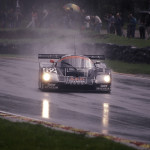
(52, 86)
(76, 80)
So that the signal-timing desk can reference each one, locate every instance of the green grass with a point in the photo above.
(36, 36)
(24, 41)
(18, 56)
(126, 41)
(24, 136)
(48, 35)
(95, 38)
(124, 67)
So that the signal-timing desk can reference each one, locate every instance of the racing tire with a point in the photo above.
(109, 91)
(106, 92)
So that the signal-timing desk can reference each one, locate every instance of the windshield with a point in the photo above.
(75, 61)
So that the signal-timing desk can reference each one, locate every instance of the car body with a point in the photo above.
(77, 72)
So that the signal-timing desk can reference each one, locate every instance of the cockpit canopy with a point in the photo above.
(75, 61)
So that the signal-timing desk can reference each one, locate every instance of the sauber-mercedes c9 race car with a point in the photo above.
(87, 72)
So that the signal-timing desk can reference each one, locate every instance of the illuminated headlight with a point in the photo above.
(103, 79)
(46, 77)
(107, 78)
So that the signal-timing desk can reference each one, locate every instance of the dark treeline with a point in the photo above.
(90, 6)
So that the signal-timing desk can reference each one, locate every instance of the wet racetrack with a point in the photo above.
(123, 113)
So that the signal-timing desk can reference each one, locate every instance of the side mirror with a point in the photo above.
(52, 61)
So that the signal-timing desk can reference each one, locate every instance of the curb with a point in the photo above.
(14, 117)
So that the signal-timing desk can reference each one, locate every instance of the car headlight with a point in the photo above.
(46, 77)
(107, 78)
(103, 79)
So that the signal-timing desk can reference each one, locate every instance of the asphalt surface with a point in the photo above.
(124, 113)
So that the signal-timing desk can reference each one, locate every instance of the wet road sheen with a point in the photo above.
(123, 113)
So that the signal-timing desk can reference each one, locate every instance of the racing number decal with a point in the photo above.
(51, 70)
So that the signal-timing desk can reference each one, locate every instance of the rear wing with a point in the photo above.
(50, 56)
(58, 56)
(96, 57)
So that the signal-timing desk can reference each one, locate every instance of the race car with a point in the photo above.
(77, 72)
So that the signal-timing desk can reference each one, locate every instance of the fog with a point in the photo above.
(57, 29)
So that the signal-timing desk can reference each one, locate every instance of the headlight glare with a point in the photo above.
(107, 78)
(46, 77)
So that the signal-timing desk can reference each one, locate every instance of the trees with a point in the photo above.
(7, 4)
(92, 6)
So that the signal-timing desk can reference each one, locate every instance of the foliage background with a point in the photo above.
(100, 7)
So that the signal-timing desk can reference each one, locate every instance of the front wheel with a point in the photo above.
(41, 86)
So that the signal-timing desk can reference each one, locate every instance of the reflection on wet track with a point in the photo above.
(105, 118)
(45, 109)
(123, 113)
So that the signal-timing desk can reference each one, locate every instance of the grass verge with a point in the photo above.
(40, 35)
(130, 68)
(110, 38)
(24, 136)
